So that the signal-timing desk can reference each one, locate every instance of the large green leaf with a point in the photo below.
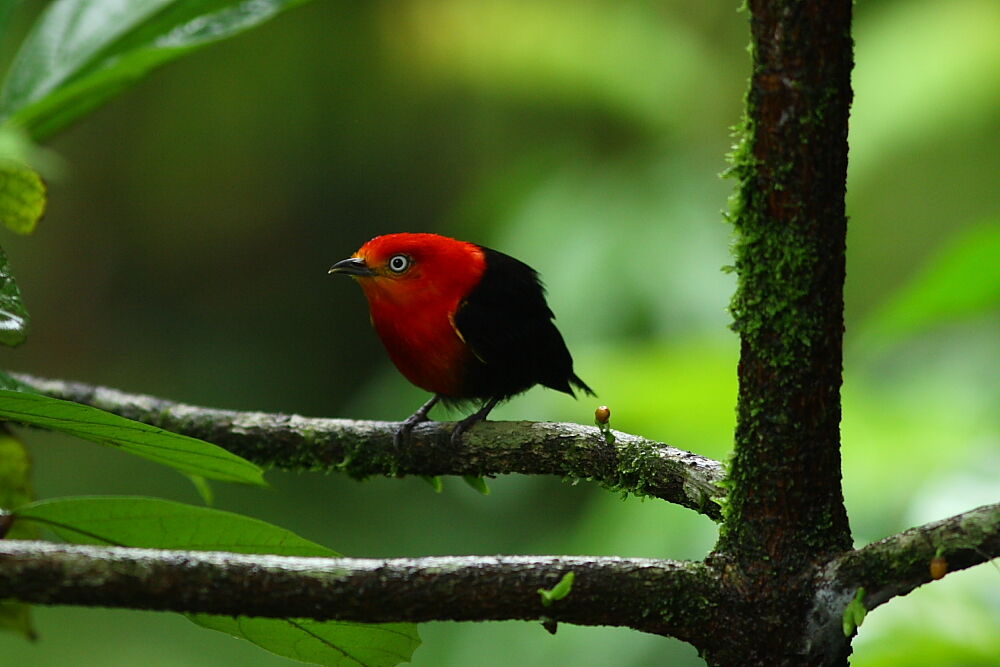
(181, 452)
(332, 643)
(81, 53)
(13, 316)
(163, 524)
(961, 281)
(155, 523)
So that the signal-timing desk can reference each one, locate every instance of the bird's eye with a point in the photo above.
(399, 263)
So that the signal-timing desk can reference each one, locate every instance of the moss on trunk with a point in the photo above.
(785, 512)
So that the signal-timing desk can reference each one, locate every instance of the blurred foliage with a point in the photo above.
(186, 243)
(15, 490)
(961, 280)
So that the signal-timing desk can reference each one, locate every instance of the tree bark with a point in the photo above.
(605, 591)
(785, 511)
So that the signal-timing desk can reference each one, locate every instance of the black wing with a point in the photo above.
(508, 325)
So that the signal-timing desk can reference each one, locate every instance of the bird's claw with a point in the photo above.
(418, 417)
(470, 421)
(402, 434)
(461, 427)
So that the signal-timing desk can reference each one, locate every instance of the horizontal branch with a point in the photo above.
(661, 596)
(897, 565)
(364, 449)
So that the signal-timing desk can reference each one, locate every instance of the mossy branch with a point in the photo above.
(364, 449)
(894, 566)
(661, 596)
(898, 564)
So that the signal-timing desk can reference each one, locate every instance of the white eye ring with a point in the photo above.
(399, 263)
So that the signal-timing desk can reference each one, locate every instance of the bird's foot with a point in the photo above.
(402, 435)
(470, 421)
(463, 426)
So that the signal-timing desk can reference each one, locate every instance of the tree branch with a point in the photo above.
(364, 449)
(898, 564)
(661, 596)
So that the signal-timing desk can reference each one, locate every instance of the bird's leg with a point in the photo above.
(467, 423)
(417, 417)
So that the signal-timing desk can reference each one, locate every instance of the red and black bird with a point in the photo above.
(467, 323)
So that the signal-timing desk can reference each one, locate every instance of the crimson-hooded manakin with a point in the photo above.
(464, 322)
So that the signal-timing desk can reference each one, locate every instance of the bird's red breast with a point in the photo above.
(419, 283)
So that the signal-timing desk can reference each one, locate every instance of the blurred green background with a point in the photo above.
(185, 250)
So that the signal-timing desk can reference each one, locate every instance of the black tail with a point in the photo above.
(581, 385)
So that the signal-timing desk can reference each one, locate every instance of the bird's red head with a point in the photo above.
(414, 284)
(415, 269)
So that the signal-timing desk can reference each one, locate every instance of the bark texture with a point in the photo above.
(785, 511)
(662, 596)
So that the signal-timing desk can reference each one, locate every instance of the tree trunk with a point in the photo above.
(785, 513)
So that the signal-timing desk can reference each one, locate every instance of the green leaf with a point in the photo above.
(13, 316)
(188, 455)
(133, 521)
(15, 490)
(204, 489)
(22, 197)
(960, 281)
(478, 483)
(559, 591)
(163, 524)
(16, 617)
(435, 481)
(336, 644)
(81, 53)
(854, 613)
(15, 476)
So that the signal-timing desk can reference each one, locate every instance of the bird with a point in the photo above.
(464, 322)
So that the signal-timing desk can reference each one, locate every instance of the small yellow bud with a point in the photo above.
(939, 567)
(602, 414)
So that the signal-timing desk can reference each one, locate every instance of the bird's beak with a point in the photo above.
(352, 266)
